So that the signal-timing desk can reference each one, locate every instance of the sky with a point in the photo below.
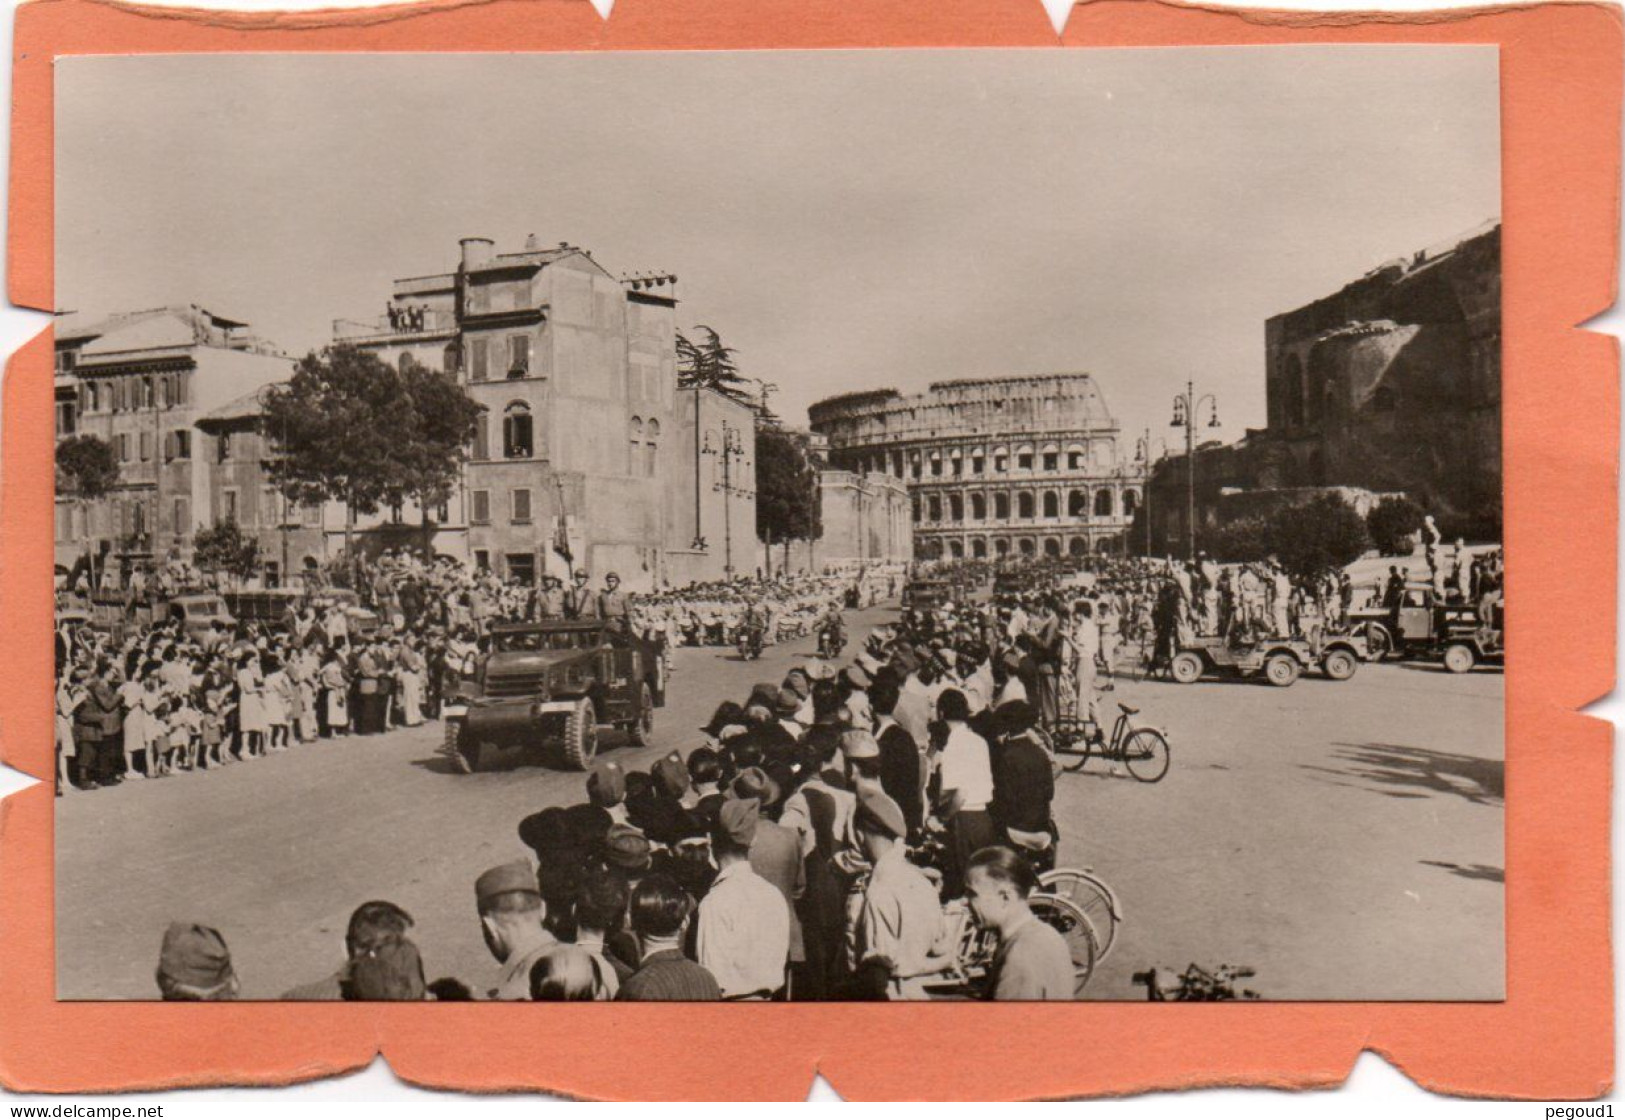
(847, 220)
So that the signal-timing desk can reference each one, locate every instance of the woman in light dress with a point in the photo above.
(278, 696)
(409, 665)
(252, 724)
(335, 687)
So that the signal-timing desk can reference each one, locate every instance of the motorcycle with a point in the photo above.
(831, 641)
(750, 643)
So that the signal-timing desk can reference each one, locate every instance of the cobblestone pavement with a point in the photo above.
(1365, 815)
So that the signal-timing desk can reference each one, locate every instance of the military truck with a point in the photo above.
(1282, 660)
(553, 685)
(1427, 626)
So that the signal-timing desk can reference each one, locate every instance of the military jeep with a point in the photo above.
(553, 685)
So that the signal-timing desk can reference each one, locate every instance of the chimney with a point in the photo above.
(477, 251)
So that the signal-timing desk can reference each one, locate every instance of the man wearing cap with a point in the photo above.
(787, 707)
(578, 599)
(612, 606)
(775, 852)
(744, 924)
(550, 599)
(671, 779)
(511, 916)
(855, 682)
(629, 850)
(900, 921)
(194, 965)
(606, 788)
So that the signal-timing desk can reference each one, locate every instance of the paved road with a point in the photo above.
(1343, 839)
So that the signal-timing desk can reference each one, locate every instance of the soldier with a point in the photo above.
(578, 600)
(613, 605)
(550, 600)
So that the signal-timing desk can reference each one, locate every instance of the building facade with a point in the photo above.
(579, 444)
(139, 381)
(1015, 466)
(1394, 384)
(866, 518)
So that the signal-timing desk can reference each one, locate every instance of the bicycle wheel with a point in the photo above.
(1071, 744)
(1091, 895)
(1074, 927)
(1145, 753)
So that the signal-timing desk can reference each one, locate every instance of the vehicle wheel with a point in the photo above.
(456, 750)
(1460, 658)
(1075, 928)
(1071, 743)
(1186, 667)
(1340, 664)
(581, 736)
(1090, 895)
(1282, 669)
(1378, 641)
(642, 729)
(1145, 753)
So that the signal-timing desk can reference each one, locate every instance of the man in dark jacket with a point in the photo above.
(902, 768)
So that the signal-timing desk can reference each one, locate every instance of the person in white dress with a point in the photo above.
(252, 724)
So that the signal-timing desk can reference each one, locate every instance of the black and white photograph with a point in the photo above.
(926, 525)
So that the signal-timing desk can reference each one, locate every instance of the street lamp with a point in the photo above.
(1142, 456)
(733, 447)
(1187, 412)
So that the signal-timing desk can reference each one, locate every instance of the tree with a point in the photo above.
(1325, 533)
(86, 468)
(709, 364)
(1392, 524)
(352, 429)
(787, 507)
(224, 548)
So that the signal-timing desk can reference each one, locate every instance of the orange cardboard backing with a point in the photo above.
(1551, 1038)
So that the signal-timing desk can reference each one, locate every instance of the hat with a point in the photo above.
(613, 575)
(545, 831)
(857, 677)
(505, 879)
(585, 826)
(753, 784)
(857, 743)
(870, 663)
(627, 848)
(670, 775)
(728, 714)
(392, 971)
(788, 703)
(796, 681)
(736, 820)
(194, 955)
(764, 694)
(879, 813)
(606, 785)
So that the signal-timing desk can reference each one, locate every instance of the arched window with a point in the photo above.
(956, 550)
(978, 462)
(978, 549)
(147, 398)
(978, 507)
(1131, 502)
(1024, 457)
(1052, 457)
(1024, 505)
(958, 461)
(651, 447)
(1075, 458)
(936, 464)
(1052, 504)
(1052, 547)
(934, 508)
(916, 504)
(1001, 459)
(1026, 546)
(636, 439)
(956, 508)
(1001, 546)
(1077, 503)
(914, 464)
(517, 439)
(1078, 546)
(1001, 507)
(1103, 503)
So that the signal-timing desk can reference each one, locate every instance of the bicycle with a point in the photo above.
(1143, 750)
(1092, 897)
(975, 947)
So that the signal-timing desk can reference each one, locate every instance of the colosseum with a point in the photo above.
(998, 467)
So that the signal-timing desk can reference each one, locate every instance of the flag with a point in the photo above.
(561, 541)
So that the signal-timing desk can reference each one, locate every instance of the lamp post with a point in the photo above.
(1142, 455)
(1187, 410)
(733, 447)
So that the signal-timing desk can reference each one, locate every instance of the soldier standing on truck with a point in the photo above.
(578, 600)
(550, 599)
(613, 606)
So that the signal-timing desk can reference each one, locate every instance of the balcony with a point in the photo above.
(415, 324)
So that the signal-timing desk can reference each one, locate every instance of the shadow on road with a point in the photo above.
(1412, 772)
(1479, 871)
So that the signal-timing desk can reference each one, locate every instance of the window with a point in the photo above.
(478, 359)
(1077, 504)
(1052, 504)
(178, 445)
(956, 508)
(1001, 460)
(178, 389)
(1001, 546)
(146, 446)
(442, 513)
(978, 507)
(916, 505)
(65, 360)
(66, 415)
(148, 398)
(518, 355)
(1074, 459)
(1052, 460)
(1024, 459)
(521, 505)
(87, 397)
(650, 447)
(482, 559)
(636, 440)
(516, 432)
(978, 464)
(934, 508)
(223, 447)
(124, 447)
(229, 505)
(1024, 505)
(959, 465)
(978, 549)
(448, 358)
(395, 513)
(1103, 503)
(482, 438)
(481, 513)
(914, 464)
(1001, 507)
(522, 567)
(936, 465)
